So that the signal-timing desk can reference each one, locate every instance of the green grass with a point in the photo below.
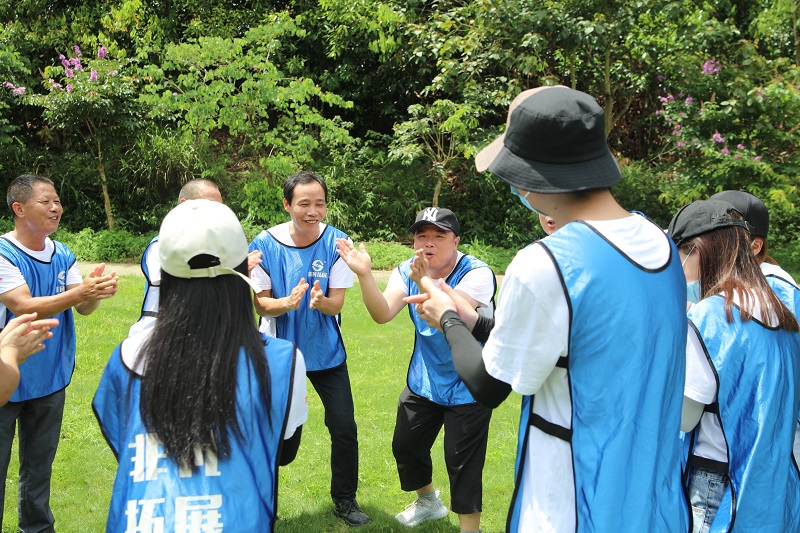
(378, 357)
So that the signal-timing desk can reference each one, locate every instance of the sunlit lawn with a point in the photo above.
(377, 358)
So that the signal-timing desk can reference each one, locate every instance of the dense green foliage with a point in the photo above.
(390, 101)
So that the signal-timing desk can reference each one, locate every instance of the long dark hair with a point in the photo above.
(728, 267)
(188, 386)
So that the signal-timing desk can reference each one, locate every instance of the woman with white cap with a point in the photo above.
(741, 374)
(201, 410)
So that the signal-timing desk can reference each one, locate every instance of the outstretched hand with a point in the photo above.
(359, 260)
(316, 295)
(435, 300)
(96, 286)
(419, 266)
(23, 337)
(296, 296)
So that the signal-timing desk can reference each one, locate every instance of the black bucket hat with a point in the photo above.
(555, 142)
(751, 207)
(701, 217)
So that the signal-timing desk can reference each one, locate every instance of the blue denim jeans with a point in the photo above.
(333, 387)
(706, 488)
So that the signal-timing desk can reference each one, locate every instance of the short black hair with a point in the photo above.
(303, 177)
(21, 189)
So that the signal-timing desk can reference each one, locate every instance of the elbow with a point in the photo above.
(290, 447)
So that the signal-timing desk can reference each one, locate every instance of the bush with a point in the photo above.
(387, 255)
(497, 258)
(104, 246)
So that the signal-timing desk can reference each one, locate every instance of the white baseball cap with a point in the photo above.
(202, 239)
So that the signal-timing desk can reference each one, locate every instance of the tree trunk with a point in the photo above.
(609, 103)
(796, 36)
(101, 169)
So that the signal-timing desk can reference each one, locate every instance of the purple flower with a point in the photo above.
(725, 150)
(77, 50)
(19, 91)
(9, 85)
(102, 52)
(717, 138)
(740, 146)
(737, 156)
(660, 77)
(57, 86)
(658, 111)
(68, 73)
(689, 100)
(663, 100)
(681, 143)
(757, 158)
(93, 75)
(76, 63)
(61, 57)
(711, 67)
(670, 97)
(69, 88)
(677, 129)
(65, 63)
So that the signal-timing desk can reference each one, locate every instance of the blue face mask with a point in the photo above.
(524, 199)
(693, 292)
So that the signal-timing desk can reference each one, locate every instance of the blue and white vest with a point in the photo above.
(758, 376)
(150, 302)
(317, 335)
(51, 369)
(625, 364)
(431, 373)
(237, 493)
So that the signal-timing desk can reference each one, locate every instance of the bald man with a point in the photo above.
(196, 189)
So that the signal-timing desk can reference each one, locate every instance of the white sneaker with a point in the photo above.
(422, 510)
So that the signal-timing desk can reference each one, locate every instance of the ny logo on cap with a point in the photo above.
(430, 214)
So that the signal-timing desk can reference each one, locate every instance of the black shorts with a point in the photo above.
(466, 431)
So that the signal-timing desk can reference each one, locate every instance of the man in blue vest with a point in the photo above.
(303, 284)
(40, 275)
(434, 397)
(591, 330)
(196, 189)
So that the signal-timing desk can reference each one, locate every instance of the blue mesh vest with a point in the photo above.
(758, 395)
(431, 373)
(316, 334)
(51, 369)
(237, 493)
(626, 363)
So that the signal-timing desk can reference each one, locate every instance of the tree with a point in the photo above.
(95, 100)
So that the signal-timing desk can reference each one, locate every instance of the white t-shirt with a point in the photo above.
(11, 276)
(775, 270)
(340, 277)
(531, 332)
(477, 284)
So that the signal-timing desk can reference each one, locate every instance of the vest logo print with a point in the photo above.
(316, 269)
(430, 214)
(61, 284)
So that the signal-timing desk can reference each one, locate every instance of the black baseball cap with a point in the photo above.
(703, 216)
(438, 216)
(751, 207)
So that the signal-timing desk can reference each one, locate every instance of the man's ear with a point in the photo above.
(285, 205)
(17, 208)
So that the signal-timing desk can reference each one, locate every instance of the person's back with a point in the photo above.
(612, 404)
(237, 491)
(201, 410)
